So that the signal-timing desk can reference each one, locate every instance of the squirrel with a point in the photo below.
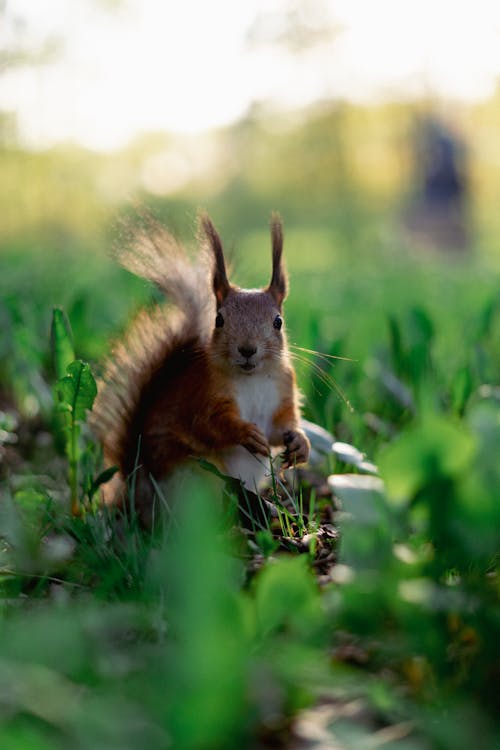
(208, 376)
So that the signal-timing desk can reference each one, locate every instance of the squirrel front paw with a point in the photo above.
(297, 448)
(254, 440)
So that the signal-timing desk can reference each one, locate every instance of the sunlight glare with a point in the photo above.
(188, 67)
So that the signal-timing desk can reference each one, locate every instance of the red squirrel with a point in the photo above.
(207, 376)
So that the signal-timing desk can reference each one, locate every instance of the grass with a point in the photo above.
(200, 636)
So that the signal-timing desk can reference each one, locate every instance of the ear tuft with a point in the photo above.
(279, 281)
(221, 285)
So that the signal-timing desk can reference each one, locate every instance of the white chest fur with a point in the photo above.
(257, 398)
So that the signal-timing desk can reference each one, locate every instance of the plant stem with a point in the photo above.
(73, 469)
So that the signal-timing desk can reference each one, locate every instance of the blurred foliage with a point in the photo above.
(111, 637)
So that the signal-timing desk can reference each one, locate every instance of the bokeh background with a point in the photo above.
(306, 105)
(372, 127)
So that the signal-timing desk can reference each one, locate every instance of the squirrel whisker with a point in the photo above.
(324, 377)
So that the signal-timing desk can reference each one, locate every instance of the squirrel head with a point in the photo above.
(248, 335)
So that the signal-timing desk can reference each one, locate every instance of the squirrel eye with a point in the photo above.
(219, 321)
(278, 322)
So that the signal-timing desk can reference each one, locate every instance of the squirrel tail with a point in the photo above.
(154, 254)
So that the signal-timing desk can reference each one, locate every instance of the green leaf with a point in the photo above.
(461, 388)
(231, 484)
(62, 342)
(421, 325)
(211, 468)
(78, 389)
(435, 448)
(286, 597)
(486, 318)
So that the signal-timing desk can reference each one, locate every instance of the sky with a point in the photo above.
(125, 67)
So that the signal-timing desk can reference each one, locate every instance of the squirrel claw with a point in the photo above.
(297, 448)
(255, 441)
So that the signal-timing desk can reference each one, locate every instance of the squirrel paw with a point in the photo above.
(297, 448)
(254, 440)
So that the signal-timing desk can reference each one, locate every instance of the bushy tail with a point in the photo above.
(153, 253)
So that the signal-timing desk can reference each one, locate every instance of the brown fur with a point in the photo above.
(171, 388)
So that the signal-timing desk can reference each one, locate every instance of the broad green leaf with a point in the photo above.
(286, 597)
(78, 389)
(62, 342)
(437, 447)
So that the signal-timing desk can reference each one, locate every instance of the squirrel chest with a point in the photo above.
(258, 398)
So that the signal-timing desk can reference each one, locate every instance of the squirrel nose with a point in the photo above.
(247, 351)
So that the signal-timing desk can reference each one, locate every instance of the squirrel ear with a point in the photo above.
(279, 282)
(221, 285)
